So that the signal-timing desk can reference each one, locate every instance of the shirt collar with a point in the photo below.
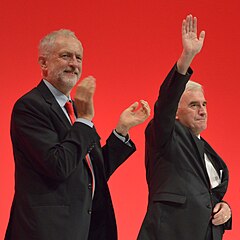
(59, 96)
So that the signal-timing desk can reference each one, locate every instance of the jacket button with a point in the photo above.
(89, 186)
(90, 211)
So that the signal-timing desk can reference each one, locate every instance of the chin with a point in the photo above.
(71, 81)
(202, 129)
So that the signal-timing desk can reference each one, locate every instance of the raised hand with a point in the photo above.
(131, 117)
(191, 43)
(84, 98)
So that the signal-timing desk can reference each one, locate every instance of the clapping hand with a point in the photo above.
(84, 98)
(132, 116)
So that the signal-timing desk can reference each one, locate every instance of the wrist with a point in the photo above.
(121, 132)
(122, 137)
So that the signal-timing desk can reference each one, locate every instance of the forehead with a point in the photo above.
(193, 96)
(69, 44)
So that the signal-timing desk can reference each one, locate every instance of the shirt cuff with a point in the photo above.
(122, 138)
(85, 121)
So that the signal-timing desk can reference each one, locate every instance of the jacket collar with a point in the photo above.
(50, 99)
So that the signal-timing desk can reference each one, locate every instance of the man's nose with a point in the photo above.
(202, 110)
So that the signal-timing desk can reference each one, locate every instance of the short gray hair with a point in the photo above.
(47, 42)
(191, 86)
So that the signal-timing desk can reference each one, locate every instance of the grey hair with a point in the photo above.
(47, 42)
(191, 86)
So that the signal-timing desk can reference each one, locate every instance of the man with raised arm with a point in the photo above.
(186, 178)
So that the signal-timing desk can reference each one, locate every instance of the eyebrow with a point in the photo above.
(69, 52)
(197, 102)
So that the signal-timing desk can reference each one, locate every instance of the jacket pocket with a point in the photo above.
(169, 197)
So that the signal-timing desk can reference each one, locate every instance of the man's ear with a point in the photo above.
(43, 62)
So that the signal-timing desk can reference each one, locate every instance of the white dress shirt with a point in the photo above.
(214, 178)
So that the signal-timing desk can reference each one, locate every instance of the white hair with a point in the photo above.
(191, 86)
(47, 42)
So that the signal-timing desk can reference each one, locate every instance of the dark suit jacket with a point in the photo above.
(180, 198)
(52, 198)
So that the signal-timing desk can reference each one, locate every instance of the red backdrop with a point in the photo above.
(129, 46)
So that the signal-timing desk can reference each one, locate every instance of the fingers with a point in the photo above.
(217, 208)
(144, 103)
(189, 24)
(202, 36)
(194, 27)
(133, 107)
(222, 213)
(88, 83)
(184, 24)
(192, 45)
(84, 98)
(146, 107)
(220, 219)
(86, 88)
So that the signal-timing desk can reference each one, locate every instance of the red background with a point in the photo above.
(129, 46)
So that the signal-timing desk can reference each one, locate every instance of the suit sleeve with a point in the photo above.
(115, 152)
(160, 129)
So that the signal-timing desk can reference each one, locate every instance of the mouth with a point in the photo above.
(71, 72)
(201, 120)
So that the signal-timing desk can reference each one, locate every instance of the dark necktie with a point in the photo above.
(70, 111)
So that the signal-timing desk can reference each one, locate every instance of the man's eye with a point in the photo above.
(79, 59)
(65, 56)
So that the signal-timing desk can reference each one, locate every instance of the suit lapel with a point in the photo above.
(217, 160)
(200, 151)
(200, 145)
(50, 99)
(220, 165)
